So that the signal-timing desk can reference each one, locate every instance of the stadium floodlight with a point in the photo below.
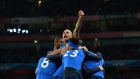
(39, 3)
(23, 31)
(26, 31)
(14, 30)
(10, 30)
(35, 41)
(18, 30)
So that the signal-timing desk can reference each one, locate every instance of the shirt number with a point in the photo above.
(73, 54)
(45, 63)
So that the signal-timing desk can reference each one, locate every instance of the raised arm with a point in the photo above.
(76, 31)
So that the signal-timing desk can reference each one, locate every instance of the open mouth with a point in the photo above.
(65, 36)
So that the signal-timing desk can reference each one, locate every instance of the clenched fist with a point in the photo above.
(81, 13)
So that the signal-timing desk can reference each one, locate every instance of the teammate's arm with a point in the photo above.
(54, 57)
(91, 55)
(93, 70)
(61, 50)
(76, 31)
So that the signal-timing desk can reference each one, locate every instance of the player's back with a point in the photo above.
(58, 73)
(45, 69)
(74, 59)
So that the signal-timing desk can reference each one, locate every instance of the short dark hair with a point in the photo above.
(57, 38)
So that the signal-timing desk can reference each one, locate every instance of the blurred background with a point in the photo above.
(28, 28)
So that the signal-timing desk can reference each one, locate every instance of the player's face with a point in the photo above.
(67, 34)
(60, 42)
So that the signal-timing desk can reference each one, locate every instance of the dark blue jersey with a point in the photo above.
(73, 43)
(73, 58)
(43, 76)
(93, 64)
(59, 72)
(45, 66)
(92, 56)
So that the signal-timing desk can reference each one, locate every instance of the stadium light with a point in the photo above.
(26, 31)
(14, 30)
(23, 31)
(39, 2)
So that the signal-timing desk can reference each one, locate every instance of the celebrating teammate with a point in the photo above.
(71, 65)
(46, 68)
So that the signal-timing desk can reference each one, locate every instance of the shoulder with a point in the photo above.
(42, 58)
(75, 41)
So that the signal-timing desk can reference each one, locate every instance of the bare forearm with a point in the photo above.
(79, 22)
(56, 51)
(76, 31)
(61, 50)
